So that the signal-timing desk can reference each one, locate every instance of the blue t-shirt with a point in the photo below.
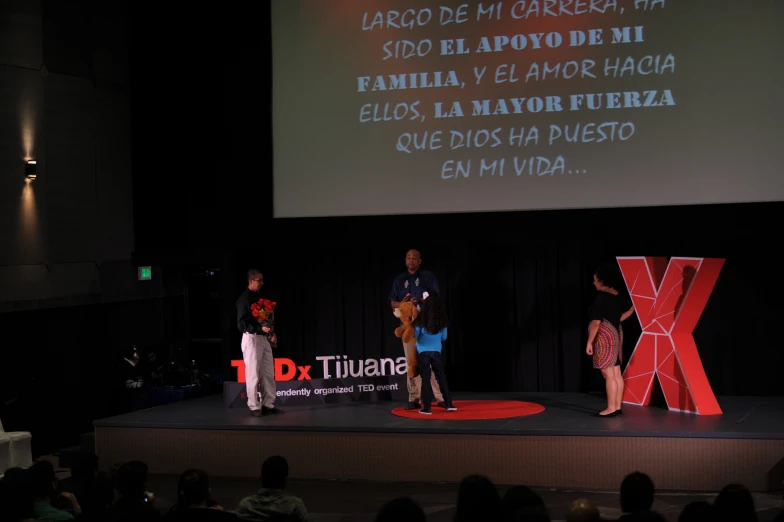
(427, 342)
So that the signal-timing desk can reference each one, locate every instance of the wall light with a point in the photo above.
(31, 169)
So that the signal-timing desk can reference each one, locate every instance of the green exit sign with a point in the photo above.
(145, 273)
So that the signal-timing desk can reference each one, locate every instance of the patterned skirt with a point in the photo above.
(607, 346)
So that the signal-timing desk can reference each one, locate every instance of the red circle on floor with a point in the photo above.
(475, 410)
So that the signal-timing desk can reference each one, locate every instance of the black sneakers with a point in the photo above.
(428, 411)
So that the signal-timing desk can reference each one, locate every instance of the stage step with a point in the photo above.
(87, 442)
(564, 446)
(69, 455)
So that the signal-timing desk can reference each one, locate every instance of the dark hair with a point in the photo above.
(735, 503)
(696, 511)
(132, 479)
(637, 492)
(16, 494)
(193, 488)
(477, 499)
(433, 316)
(523, 501)
(402, 508)
(609, 276)
(253, 273)
(43, 479)
(274, 472)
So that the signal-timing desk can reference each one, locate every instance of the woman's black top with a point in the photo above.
(609, 306)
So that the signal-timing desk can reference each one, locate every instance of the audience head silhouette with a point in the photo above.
(36, 493)
(274, 473)
(43, 480)
(16, 498)
(193, 489)
(132, 479)
(97, 497)
(522, 501)
(700, 511)
(735, 503)
(402, 508)
(477, 500)
(637, 493)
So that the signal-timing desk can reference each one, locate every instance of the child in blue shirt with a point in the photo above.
(430, 331)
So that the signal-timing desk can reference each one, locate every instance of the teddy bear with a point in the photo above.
(407, 312)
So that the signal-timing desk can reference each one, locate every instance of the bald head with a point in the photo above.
(413, 260)
(582, 510)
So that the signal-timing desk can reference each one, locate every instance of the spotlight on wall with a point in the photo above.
(31, 169)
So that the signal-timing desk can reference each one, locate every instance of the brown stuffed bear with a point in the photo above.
(407, 312)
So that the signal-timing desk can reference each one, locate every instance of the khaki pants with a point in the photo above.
(415, 385)
(259, 366)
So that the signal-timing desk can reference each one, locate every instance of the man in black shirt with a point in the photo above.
(256, 350)
(415, 282)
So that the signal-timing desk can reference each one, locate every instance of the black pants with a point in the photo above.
(426, 361)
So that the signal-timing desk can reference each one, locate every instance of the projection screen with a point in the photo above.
(418, 106)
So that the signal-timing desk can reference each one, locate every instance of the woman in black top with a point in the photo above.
(605, 334)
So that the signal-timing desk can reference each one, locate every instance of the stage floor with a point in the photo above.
(565, 414)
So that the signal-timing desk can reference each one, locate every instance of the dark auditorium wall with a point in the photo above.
(69, 234)
(200, 99)
(70, 302)
(185, 166)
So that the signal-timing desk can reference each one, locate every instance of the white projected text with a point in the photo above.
(479, 88)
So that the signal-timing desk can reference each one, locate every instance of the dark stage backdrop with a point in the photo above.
(518, 284)
(518, 298)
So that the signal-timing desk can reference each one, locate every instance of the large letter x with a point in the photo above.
(668, 308)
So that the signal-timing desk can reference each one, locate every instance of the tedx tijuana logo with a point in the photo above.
(332, 367)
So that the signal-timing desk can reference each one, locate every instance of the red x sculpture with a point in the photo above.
(669, 299)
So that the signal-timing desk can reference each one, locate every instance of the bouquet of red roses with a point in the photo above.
(264, 311)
